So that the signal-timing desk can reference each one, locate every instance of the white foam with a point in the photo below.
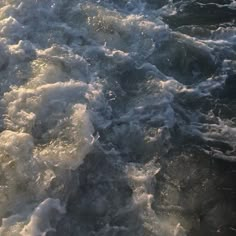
(57, 57)
(39, 223)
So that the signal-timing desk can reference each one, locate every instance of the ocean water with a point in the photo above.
(117, 117)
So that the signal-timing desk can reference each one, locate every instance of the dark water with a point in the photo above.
(118, 118)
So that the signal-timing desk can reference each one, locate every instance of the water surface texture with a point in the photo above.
(117, 118)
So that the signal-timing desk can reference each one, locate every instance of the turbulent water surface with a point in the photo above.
(117, 117)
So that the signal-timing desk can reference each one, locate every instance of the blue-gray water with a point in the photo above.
(117, 118)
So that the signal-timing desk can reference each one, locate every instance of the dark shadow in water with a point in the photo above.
(199, 191)
(201, 13)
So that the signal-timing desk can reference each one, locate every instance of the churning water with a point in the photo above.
(117, 117)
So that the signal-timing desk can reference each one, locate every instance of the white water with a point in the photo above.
(92, 77)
